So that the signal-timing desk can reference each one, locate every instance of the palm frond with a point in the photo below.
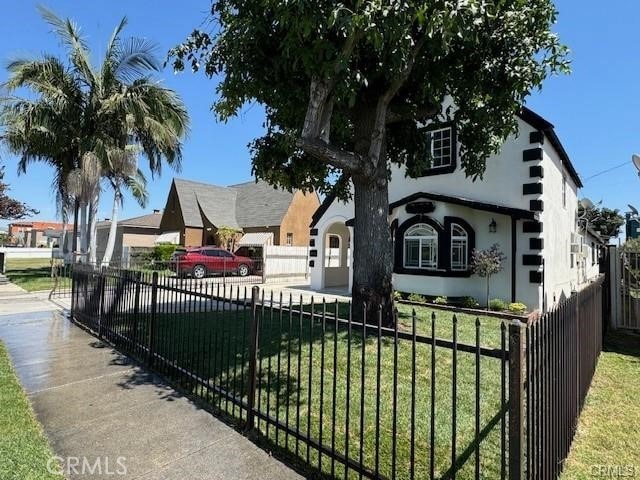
(135, 57)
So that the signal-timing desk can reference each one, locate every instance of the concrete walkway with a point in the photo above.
(94, 403)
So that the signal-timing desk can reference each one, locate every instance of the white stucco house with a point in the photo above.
(527, 203)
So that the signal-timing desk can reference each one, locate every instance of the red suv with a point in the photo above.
(203, 261)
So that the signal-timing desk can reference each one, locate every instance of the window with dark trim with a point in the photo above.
(442, 150)
(459, 248)
(289, 238)
(441, 141)
(421, 247)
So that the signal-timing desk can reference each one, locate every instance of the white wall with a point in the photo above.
(559, 222)
(15, 252)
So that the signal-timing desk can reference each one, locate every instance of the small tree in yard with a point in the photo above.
(487, 262)
(228, 236)
(348, 88)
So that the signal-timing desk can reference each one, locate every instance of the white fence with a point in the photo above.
(284, 264)
(18, 252)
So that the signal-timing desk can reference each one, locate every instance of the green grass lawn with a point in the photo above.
(24, 450)
(215, 347)
(609, 426)
(32, 274)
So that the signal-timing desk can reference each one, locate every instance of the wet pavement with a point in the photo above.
(105, 416)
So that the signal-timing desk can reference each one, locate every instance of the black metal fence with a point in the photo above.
(563, 347)
(437, 396)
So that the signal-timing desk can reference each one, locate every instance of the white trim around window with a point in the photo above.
(421, 247)
(459, 248)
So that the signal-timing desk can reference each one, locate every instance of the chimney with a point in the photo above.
(155, 210)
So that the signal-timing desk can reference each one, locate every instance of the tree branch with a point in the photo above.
(329, 154)
(379, 128)
(396, 115)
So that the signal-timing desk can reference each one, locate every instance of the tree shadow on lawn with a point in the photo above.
(623, 342)
(205, 353)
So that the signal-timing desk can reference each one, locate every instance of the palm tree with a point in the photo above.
(82, 112)
(123, 173)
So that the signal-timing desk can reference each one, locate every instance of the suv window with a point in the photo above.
(224, 253)
(211, 253)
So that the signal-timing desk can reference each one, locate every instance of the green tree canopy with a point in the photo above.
(348, 87)
(605, 220)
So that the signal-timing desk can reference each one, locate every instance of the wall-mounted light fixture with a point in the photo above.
(493, 226)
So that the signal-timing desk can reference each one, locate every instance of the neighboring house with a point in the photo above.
(136, 232)
(527, 203)
(36, 233)
(196, 210)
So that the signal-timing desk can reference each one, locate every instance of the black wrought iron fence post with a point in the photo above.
(516, 401)
(253, 359)
(153, 317)
(102, 275)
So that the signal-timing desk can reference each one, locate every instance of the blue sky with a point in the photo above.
(595, 109)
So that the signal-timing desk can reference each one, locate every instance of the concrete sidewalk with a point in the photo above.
(94, 403)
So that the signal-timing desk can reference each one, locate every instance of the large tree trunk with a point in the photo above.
(111, 241)
(372, 252)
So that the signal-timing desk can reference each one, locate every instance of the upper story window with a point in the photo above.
(441, 147)
(459, 248)
(564, 191)
(421, 247)
(289, 238)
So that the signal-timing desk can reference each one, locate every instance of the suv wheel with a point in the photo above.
(243, 270)
(199, 271)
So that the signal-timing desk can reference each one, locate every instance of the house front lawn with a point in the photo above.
(24, 450)
(32, 274)
(295, 384)
(608, 435)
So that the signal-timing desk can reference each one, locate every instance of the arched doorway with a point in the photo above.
(335, 256)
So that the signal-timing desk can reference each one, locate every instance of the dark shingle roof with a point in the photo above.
(250, 204)
(151, 220)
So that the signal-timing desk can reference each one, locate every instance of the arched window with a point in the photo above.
(421, 247)
(459, 248)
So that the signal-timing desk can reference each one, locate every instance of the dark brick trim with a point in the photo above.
(312, 263)
(536, 205)
(535, 277)
(531, 227)
(532, 154)
(532, 259)
(313, 232)
(536, 171)
(532, 189)
(536, 244)
(313, 253)
(312, 242)
(536, 137)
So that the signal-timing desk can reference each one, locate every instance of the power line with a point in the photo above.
(605, 171)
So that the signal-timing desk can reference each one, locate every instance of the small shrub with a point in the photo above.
(416, 297)
(470, 302)
(517, 308)
(397, 296)
(163, 251)
(497, 305)
(441, 300)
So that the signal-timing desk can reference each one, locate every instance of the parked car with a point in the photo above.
(202, 261)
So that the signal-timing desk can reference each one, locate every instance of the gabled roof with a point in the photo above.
(539, 123)
(151, 220)
(250, 204)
